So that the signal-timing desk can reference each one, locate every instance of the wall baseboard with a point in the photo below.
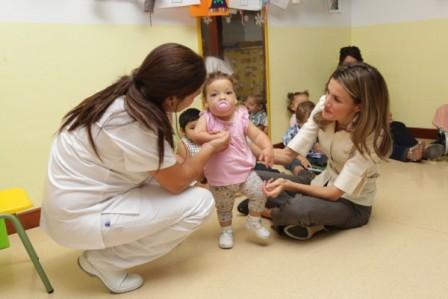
(423, 133)
(29, 219)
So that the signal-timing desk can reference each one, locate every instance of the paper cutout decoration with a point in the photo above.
(210, 8)
(245, 4)
(175, 3)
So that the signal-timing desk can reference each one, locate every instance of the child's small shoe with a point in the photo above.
(225, 239)
(255, 227)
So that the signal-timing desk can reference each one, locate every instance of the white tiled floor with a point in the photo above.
(401, 253)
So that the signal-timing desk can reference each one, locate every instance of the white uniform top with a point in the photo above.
(350, 172)
(81, 187)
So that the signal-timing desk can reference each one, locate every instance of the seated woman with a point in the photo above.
(351, 123)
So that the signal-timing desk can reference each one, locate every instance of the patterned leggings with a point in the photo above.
(225, 196)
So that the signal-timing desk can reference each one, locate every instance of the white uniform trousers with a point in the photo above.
(165, 220)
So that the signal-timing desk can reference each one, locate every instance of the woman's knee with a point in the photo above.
(294, 211)
(203, 204)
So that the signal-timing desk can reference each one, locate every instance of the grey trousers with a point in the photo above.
(298, 209)
(302, 178)
(307, 211)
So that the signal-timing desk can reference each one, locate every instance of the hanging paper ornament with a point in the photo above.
(242, 17)
(228, 19)
(207, 20)
(259, 19)
(246, 18)
(254, 5)
(149, 7)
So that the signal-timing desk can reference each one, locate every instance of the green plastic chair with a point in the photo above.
(12, 201)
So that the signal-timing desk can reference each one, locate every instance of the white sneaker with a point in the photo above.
(258, 229)
(115, 281)
(226, 239)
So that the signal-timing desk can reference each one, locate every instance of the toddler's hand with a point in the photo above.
(267, 156)
(272, 188)
(220, 141)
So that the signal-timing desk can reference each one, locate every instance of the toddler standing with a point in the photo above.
(230, 171)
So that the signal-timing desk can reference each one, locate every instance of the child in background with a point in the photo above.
(231, 170)
(256, 105)
(301, 163)
(185, 146)
(294, 99)
(187, 121)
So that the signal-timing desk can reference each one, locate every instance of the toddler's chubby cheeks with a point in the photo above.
(221, 98)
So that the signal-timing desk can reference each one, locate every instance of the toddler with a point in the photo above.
(294, 99)
(256, 105)
(230, 171)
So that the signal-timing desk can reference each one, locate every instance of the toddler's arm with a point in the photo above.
(200, 135)
(262, 141)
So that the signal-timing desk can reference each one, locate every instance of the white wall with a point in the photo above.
(368, 12)
(310, 13)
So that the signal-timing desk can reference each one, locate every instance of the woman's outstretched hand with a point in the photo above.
(267, 156)
(273, 188)
(220, 141)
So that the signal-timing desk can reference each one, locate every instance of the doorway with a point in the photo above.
(240, 40)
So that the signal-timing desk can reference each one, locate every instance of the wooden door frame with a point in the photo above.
(216, 49)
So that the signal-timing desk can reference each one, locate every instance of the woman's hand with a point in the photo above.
(267, 156)
(273, 188)
(304, 161)
(219, 142)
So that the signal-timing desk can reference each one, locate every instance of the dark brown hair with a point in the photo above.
(303, 111)
(292, 95)
(352, 51)
(259, 100)
(170, 70)
(367, 88)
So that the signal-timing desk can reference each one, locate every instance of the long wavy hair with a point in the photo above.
(367, 87)
(170, 70)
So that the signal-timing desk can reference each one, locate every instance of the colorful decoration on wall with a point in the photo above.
(209, 8)
(212, 8)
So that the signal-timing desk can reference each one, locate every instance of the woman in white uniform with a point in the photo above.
(351, 124)
(115, 189)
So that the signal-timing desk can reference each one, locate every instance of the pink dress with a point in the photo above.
(233, 165)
